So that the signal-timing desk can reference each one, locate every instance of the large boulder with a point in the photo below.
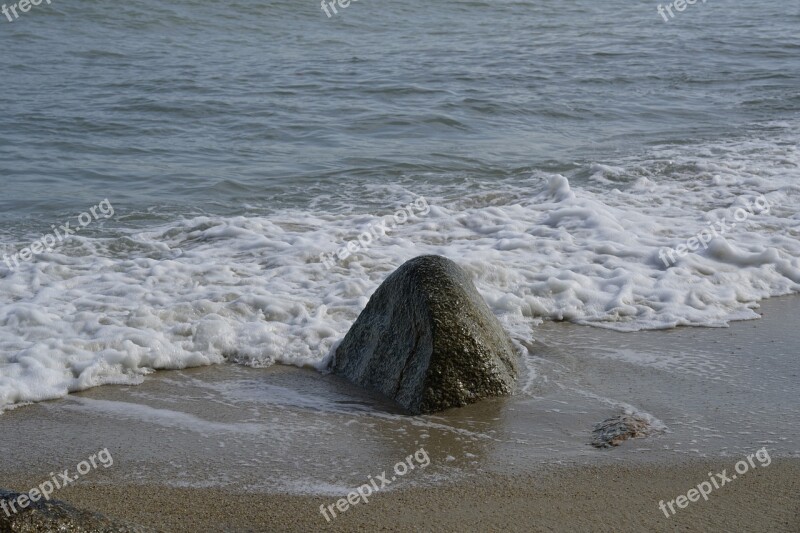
(428, 340)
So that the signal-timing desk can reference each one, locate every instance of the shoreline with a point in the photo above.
(232, 448)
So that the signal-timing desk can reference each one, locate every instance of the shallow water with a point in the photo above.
(558, 149)
(708, 393)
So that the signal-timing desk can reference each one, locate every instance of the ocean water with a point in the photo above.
(555, 150)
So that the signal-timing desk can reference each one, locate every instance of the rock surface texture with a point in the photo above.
(428, 340)
(615, 430)
(53, 516)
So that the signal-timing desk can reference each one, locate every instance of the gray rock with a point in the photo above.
(54, 516)
(428, 340)
(613, 431)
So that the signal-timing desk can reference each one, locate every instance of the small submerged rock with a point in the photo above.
(613, 431)
(428, 340)
(54, 516)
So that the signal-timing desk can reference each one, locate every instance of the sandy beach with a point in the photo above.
(227, 448)
(603, 498)
(400, 266)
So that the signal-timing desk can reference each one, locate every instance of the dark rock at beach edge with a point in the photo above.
(427, 340)
(53, 516)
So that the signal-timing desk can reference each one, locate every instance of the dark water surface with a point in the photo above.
(189, 106)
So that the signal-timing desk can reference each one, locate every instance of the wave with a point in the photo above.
(254, 290)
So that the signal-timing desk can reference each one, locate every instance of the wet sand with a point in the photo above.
(229, 448)
(606, 498)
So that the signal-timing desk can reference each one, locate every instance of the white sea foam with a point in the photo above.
(253, 290)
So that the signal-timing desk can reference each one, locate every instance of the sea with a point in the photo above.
(191, 183)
